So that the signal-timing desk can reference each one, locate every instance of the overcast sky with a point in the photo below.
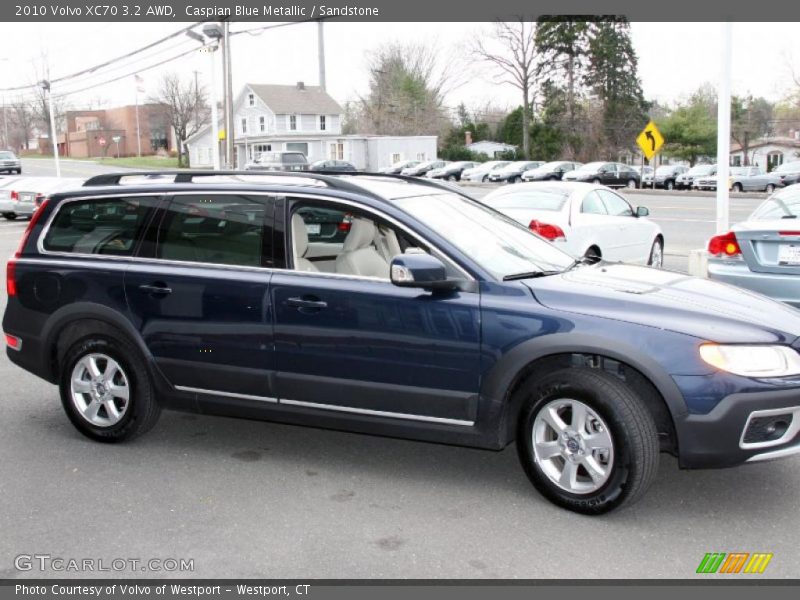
(674, 58)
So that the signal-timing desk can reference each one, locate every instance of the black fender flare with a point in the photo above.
(80, 311)
(506, 373)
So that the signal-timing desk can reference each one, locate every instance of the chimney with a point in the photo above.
(467, 138)
(301, 85)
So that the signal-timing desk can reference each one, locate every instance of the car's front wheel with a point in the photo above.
(106, 390)
(737, 187)
(670, 185)
(9, 216)
(770, 188)
(632, 184)
(586, 441)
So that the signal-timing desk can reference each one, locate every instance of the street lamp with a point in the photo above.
(210, 49)
(45, 85)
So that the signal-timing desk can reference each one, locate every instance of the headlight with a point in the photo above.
(752, 361)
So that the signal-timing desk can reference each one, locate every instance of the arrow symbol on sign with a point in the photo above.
(649, 135)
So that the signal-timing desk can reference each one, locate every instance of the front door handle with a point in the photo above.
(307, 302)
(156, 289)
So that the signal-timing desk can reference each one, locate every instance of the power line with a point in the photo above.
(108, 62)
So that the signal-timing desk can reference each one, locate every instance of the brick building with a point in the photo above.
(91, 133)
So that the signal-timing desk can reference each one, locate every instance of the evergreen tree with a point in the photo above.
(613, 80)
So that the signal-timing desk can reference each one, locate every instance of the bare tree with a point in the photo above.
(407, 86)
(513, 56)
(21, 123)
(186, 105)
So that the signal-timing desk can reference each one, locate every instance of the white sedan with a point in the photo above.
(584, 219)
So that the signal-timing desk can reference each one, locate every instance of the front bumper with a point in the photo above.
(784, 288)
(717, 438)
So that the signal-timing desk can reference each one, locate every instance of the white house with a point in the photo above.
(768, 153)
(305, 119)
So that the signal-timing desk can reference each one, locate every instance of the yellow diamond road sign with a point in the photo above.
(650, 140)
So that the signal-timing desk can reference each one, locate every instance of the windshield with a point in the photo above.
(7, 156)
(536, 198)
(498, 244)
(591, 166)
(783, 205)
(701, 170)
(789, 167)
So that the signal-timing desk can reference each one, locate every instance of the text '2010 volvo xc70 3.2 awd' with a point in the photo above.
(394, 306)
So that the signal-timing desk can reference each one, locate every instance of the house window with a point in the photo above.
(251, 99)
(244, 125)
(420, 156)
(262, 124)
(774, 160)
(736, 161)
(337, 151)
(395, 158)
(292, 122)
(322, 123)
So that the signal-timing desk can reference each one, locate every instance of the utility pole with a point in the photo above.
(45, 84)
(228, 83)
(724, 131)
(5, 124)
(321, 53)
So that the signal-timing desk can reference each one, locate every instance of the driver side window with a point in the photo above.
(335, 239)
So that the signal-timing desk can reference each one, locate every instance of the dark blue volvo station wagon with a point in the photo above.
(393, 306)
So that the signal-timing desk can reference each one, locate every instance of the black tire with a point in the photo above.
(736, 187)
(9, 216)
(596, 181)
(669, 185)
(515, 179)
(630, 425)
(485, 179)
(143, 409)
(770, 188)
(657, 243)
(632, 185)
(452, 178)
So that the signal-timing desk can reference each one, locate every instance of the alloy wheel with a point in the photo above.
(100, 389)
(573, 446)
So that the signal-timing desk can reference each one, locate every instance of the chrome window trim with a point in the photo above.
(184, 388)
(137, 259)
(791, 431)
(377, 413)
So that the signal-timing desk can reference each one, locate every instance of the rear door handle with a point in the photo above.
(156, 289)
(307, 302)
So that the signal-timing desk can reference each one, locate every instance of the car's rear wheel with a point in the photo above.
(632, 184)
(452, 178)
(515, 179)
(669, 185)
(770, 188)
(106, 390)
(656, 254)
(586, 441)
(737, 187)
(596, 181)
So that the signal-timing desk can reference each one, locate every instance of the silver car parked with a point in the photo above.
(762, 253)
(753, 179)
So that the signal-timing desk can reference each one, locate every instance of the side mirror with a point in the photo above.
(642, 211)
(419, 270)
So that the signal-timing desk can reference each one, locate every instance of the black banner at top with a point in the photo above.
(390, 10)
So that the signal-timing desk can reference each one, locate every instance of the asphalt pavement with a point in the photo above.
(253, 499)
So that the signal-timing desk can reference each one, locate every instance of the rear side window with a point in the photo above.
(217, 229)
(107, 226)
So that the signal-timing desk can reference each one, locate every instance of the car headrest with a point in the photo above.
(361, 235)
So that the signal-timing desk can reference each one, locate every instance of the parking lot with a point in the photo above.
(250, 499)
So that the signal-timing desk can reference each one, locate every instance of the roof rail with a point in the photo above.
(333, 179)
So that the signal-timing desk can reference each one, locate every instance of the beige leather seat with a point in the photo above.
(386, 242)
(300, 243)
(359, 256)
